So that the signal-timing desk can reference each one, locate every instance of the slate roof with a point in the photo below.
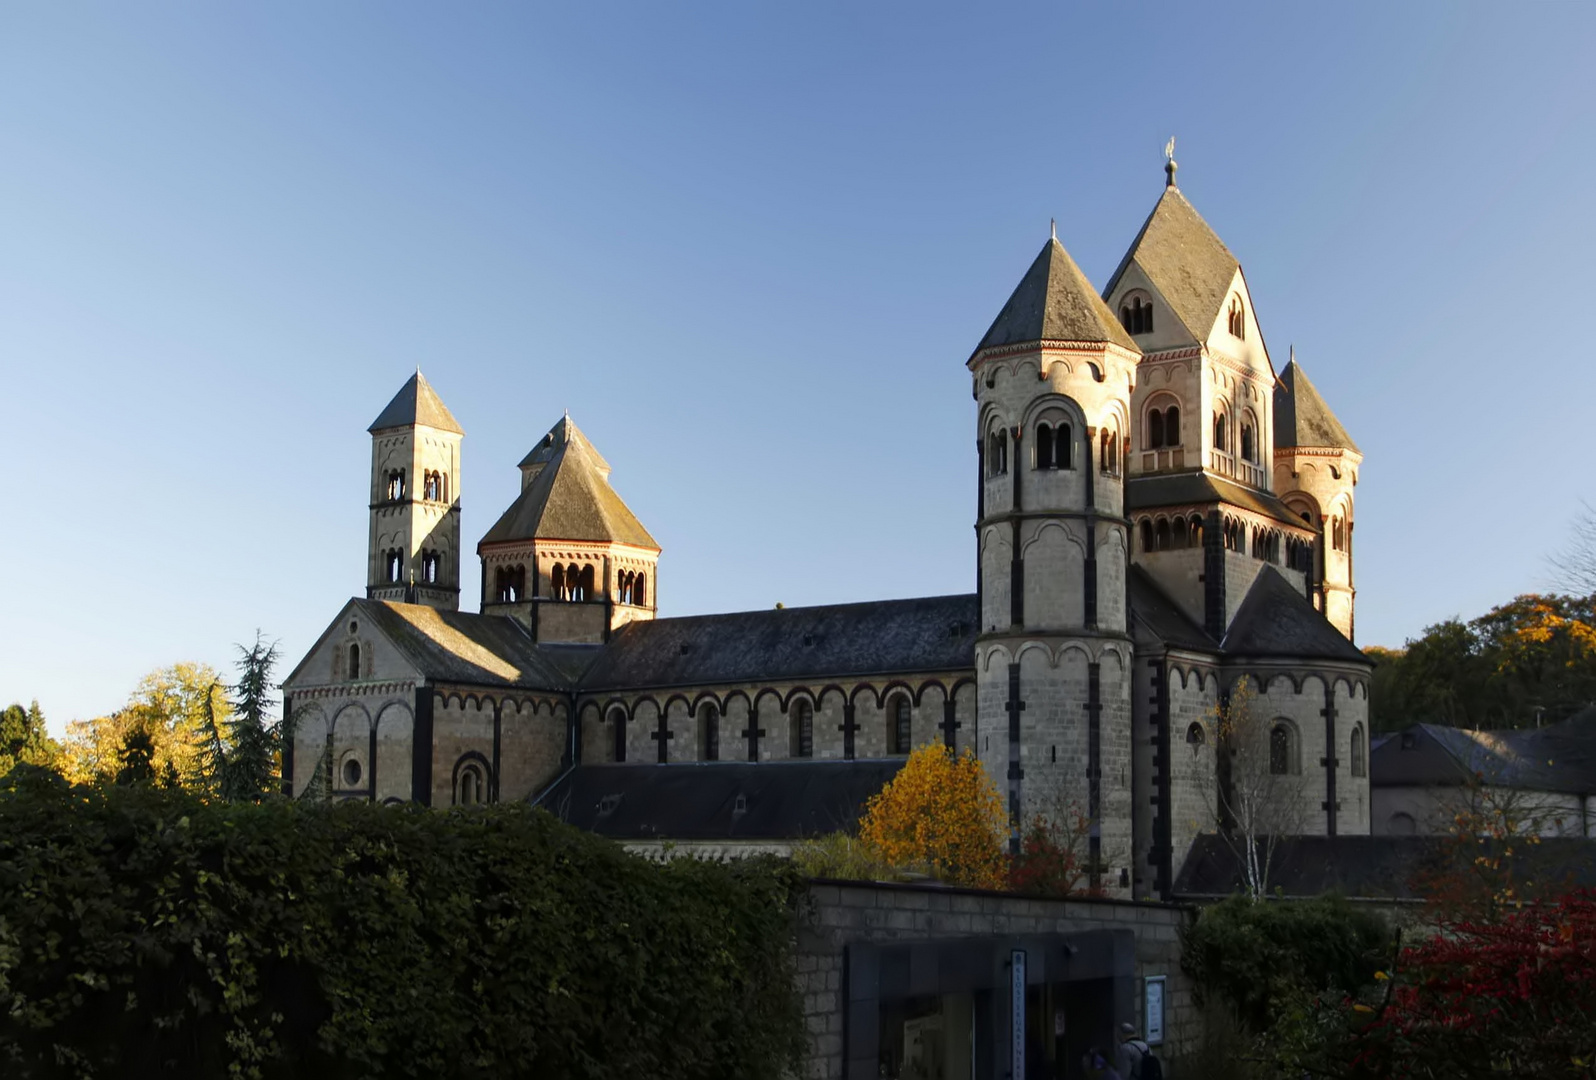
(1301, 416)
(1185, 260)
(461, 646)
(1198, 487)
(416, 403)
(1560, 757)
(934, 633)
(1385, 867)
(718, 800)
(569, 499)
(1055, 302)
(554, 442)
(1275, 620)
(1162, 616)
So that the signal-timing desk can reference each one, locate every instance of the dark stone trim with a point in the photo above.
(1094, 768)
(950, 723)
(1090, 568)
(1016, 773)
(1214, 575)
(1331, 805)
(493, 773)
(848, 727)
(753, 732)
(1163, 768)
(1224, 751)
(421, 749)
(371, 771)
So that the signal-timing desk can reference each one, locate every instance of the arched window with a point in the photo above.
(1136, 314)
(997, 452)
(1108, 451)
(901, 735)
(1044, 446)
(1237, 319)
(584, 584)
(1147, 534)
(618, 723)
(1155, 429)
(432, 486)
(1282, 750)
(1338, 533)
(1219, 434)
(470, 787)
(1194, 534)
(1177, 533)
(509, 584)
(708, 733)
(803, 729)
(1360, 765)
(1401, 824)
(429, 567)
(623, 587)
(354, 661)
(1249, 441)
(1161, 535)
(395, 566)
(640, 590)
(1196, 738)
(395, 485)
(1172, 425)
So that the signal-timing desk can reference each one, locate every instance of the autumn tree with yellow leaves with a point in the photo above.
(161, 731)
(941, 813)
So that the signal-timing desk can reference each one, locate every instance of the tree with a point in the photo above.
(171, 708)
(1054, 857)
(1254, 802)
(24, 740)
(941, 812)
(245, 762)
(1509, 998)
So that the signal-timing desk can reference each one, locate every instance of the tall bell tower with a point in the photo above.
(1053, 380)
(413, 554)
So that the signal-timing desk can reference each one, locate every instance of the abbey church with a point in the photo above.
(1160, 515)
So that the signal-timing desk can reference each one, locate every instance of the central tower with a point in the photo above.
(1053, 379)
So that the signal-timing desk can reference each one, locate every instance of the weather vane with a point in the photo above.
(1169, 162)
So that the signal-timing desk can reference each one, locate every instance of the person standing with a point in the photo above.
(1132, 1052)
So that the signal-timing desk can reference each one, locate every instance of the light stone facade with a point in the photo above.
(1158, 516)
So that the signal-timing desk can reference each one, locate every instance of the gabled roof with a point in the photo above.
(1275, 620)
(1197, 487)
(1185, 260)
(934, 633)
(771, 800)
(570, 498)
(1301, 416)
(416, 403)
(1055, 302)
(1560, 757)
(463, 646)
(1162, 618)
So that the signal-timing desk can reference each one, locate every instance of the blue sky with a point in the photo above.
(750, 247)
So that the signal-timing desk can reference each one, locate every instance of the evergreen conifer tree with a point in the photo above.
(249, 767)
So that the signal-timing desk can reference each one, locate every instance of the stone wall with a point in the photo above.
(837, 916)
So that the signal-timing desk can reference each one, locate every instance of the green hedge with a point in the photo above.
(143, 930)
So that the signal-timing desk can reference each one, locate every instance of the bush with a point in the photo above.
(142, 930)
(844, 857)
(1255, 956)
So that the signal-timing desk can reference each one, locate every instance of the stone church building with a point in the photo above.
(1159, 515)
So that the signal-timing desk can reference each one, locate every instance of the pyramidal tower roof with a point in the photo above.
(569, 497)
(1301, 416)
(1055, 302)
(1184, 259)
(416, 403)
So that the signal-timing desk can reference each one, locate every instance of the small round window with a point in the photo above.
(351, 773)
(354, 626)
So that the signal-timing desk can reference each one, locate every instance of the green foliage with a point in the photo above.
(844, 857)
(248, 768)
(144, 931)
(1534, 656)
(1256, 957)
(24, 739)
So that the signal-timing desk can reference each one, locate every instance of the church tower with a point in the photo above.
(1316, 468)
(1054, 379)
(413, 554)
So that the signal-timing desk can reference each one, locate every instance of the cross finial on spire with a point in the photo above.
(1169, 162)
(1052, 227)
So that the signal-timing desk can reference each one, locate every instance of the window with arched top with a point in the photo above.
(1161, 535)
(900, 735)
(430, 562)
(470, 785)
(640, 590)
(1147, 534)
(509, 584)
(997, 452)
(803, 729)
(1360, 760)
(354, 660)
(1237, 318)
(584, 584)
(1221, 442)
(708, 733)
(394, 571)
(1196, 738)
(557, 584)
(1283, 750)
(1053, 443)
(1163, 426)
(1136, 313)
(1108, 451)
(1249, 441)
(618, 734)
(395, 485)
(1194, 531)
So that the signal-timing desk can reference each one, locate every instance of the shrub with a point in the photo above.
(143, 931)
(839, 855)
(942, 812)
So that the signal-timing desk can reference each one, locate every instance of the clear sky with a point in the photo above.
(750, 247)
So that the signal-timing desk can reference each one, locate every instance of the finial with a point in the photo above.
(1293, 353)
(1169, 162)
(1052, 227)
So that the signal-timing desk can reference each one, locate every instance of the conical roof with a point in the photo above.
(570, 498)
(416, 403)
(1301, 416)
(1055, 302)
(1185, 260)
